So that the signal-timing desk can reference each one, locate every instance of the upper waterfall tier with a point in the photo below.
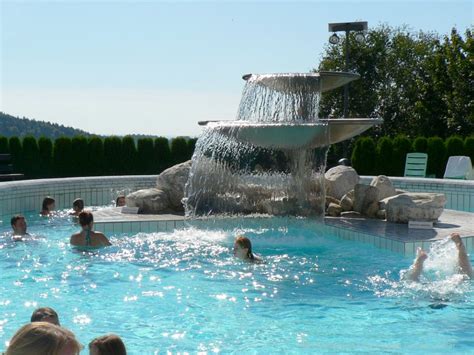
(302, 82)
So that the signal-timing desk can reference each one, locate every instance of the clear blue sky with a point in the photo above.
(153, 67)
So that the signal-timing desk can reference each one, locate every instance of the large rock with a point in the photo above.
(334, 210)
(413, 206)
(346, 203)
(384, 185)
(340, 180)
(149, 201)
(172, 181)
(366, 200)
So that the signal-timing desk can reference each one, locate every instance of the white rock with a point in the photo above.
(346, 203)
(384, 185)
(149, 201)
(334, 210)
(366, 200)
(172, 181)
(340, 180)
(413, 206)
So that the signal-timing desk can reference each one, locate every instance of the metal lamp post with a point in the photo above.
(334, 39)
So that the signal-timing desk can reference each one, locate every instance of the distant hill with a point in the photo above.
(11, 126)
(20, 127)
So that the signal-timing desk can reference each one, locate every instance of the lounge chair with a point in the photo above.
(459, 167)
(415, 165)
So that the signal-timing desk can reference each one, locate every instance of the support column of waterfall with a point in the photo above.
(272, 158)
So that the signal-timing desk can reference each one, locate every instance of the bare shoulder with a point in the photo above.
(74, 238)
(104, 240)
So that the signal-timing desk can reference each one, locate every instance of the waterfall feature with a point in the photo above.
(272, 158)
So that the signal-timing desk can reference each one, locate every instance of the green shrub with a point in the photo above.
(420, 145)
(95, 150)
(179, 150)
(384, 156)
(363, 156)
(15, 148)
(3, 145)
(401, 147)
(129, 155)
(454, 146)
(162, 154)
(191, 144)
(113, 163)
(79, 154)
(30, 157)
(469, 147)
(62, 162)
(436, 157)
(145, 156)
(45, 146)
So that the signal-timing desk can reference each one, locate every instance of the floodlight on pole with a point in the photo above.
(334, 39)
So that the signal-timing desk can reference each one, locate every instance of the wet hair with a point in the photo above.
(16, 218)
(245, 243)
(42, 338)
(46, 202)
(118, 198)
(45, 312)
(85, 218)
(109, 344)
(78, 202)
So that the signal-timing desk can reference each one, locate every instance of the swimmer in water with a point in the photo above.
(19, 226)
(77, 207)
(463, 260)
(87, 237)
(243, 250)
(48, 206)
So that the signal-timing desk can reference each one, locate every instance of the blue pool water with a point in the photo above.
(182, 291)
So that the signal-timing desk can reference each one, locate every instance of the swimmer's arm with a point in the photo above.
(464, 263)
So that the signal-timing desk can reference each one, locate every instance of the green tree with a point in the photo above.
(62, 162)
(436, 157)
(420, 145)
(162, 153)
(45, 146)
(454, 146)
(14, 145)
(469, 147)
(96, 156)
(179, 150)
(401, 147)
(80, 165)
(384, 156)
(113, 162)
(3, 145)
(129, 155)
(364, 155)
(30, 157)
(145, 156)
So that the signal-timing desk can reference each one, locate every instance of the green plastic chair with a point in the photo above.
(415, 165)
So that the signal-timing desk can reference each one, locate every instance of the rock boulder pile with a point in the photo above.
(346, 197)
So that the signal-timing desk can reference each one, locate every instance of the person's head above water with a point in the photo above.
(86, 219)
(48, 205)
(18, 223)
(43, 338)
(243, 248)
(109, 344)
(45, 314)
(78, 205)
(120, 201)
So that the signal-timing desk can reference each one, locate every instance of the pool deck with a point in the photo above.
(386, 235)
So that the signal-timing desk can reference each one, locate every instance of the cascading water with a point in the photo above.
(231, 174)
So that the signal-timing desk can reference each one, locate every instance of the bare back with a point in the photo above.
(94, 239)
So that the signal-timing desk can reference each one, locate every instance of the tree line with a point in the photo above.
(419, 83)
(387, 156)
(94, 156)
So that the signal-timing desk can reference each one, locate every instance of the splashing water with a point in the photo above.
(230, 176)
(440, 280)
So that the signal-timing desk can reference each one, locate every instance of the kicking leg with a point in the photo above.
(463, 259)
(417, 268)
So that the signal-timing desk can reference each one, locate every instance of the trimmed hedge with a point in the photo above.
(364, 155)
(94, 156)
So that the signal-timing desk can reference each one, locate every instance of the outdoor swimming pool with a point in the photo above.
(182, 291)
